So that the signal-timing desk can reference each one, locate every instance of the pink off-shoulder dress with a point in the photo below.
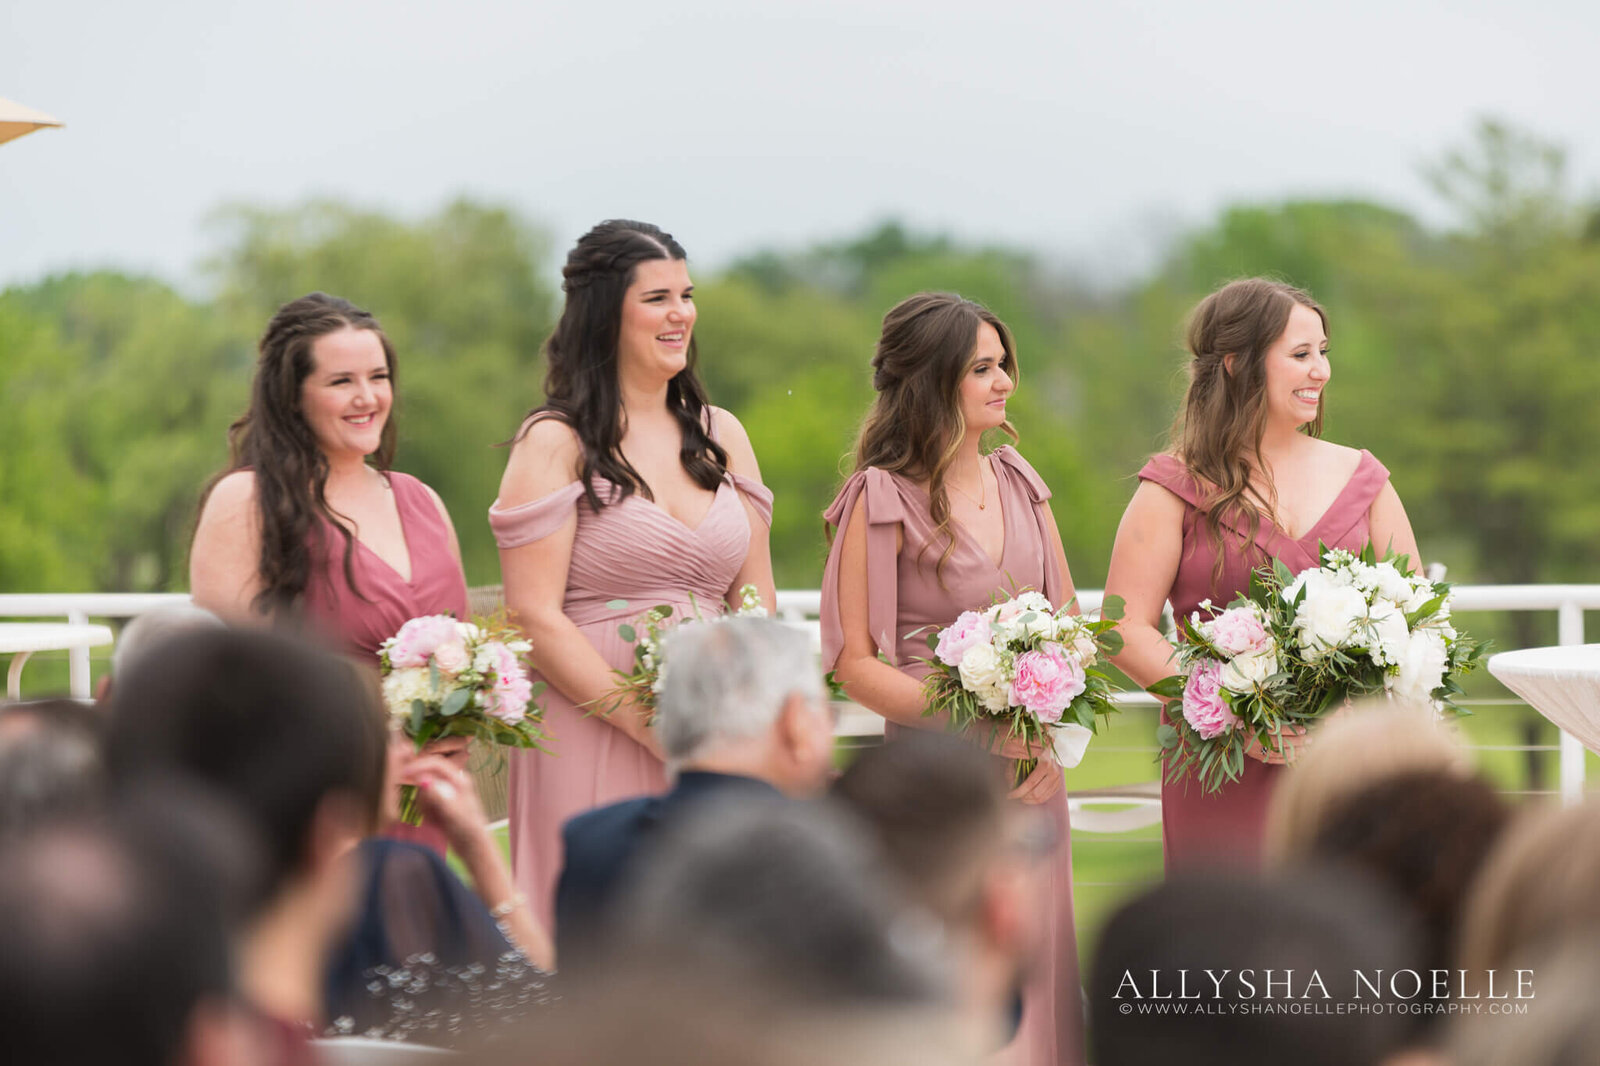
(905, 598)
(1225, 827)
(630, 550)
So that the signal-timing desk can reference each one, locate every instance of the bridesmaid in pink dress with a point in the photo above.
(623, 485)
(1248, 479)
(930, 526)
(302, 528)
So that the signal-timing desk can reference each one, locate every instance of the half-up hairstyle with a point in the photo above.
(274, 440)
(1224, 414)
(915, 425)
(581, 387)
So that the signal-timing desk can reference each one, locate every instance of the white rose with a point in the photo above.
(1328, 617)
(1422, 666)
(980, 669)
(1313, 581)
(468, 631)
(1243, 673)
(1387, 636)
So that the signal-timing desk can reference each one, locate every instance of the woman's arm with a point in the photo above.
(449, 799)
(225, 558)
(1144, 564)
(1391, 529)
(757, 567)
(867, 679)
(535, 576)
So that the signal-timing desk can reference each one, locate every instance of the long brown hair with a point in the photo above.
(580, 384)
(274, 440)
(915, 426)
(1224, 414)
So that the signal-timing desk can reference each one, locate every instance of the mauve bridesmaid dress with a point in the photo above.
(1225, 828)
(904, 599)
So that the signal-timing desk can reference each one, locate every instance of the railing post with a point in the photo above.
(78, 661)
(1569, 630)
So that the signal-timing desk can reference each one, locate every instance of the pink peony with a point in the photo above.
(1046, 682)
(420, 638)
(1239, 630)
(1203, 705)
(508, 699)
(968, 629)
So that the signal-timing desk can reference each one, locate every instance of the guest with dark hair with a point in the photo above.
(114, 942)
(1248, 930)
(742, 717)
(52, 763)
(963, 855)
(150, 629)
(624, 485)
(294, 739)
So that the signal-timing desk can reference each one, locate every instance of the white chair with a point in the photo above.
(362, 1051)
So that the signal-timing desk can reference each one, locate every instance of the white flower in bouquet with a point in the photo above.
(1245, 673)
(1386, 634)
(994, 698)
(1329, 615)
(404, 685)
(981, 669)
(1422, 667)
(1040, 625)
(1395, 586)
(1076, 638)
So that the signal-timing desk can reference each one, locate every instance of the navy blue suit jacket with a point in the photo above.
(601, 844)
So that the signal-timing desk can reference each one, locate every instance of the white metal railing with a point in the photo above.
(801, 607)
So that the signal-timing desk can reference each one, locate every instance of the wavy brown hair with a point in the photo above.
(915, 426)
(580, 384)
(1224, 414)
(274, 441)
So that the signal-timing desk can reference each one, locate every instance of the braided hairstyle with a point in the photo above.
(581, 386)
(915, 426)
(273, 439)
(1219, 429)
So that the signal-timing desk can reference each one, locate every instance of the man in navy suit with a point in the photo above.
(742, 717)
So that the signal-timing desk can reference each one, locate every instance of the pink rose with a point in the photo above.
(968, 629)
(1203, 705)
(420, 637)
(508, 697)
(1238, 631)
(451, 657)
(1046, 682)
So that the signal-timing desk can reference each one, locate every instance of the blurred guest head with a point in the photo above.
(150, 629)
(629, 315)
(936, 361)
(744, 696)
(323, 390)
(785, 902)
(52, 763)
(1227, 938)
(1356, 748)
(114, 941)
(1423, 835)
(1540, 886)
(937, 808)
(295, 739)
(1549, 1021)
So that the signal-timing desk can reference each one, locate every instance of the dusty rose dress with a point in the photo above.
(1198, 829)
(904, 598)
(333, 609)
(635, 551)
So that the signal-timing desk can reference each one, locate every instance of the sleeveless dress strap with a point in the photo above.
(876, 491)
(525, 523)
(1009, 464)
(759, 495)
(1355, 502)
(1172, 475)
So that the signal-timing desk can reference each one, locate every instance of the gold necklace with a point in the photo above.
(983, 488)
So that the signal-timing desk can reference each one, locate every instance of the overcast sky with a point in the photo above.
(1087, 131)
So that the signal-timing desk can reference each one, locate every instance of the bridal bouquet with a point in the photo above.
(1294, 646)
(648, 632)
(444, 678)
(1028, 669)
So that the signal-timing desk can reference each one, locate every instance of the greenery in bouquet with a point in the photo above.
(1294, 647)
(648, 632)
(1026, 670)
(444, 678)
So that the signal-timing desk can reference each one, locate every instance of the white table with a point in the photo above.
(22, 639)
(1561, 683)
